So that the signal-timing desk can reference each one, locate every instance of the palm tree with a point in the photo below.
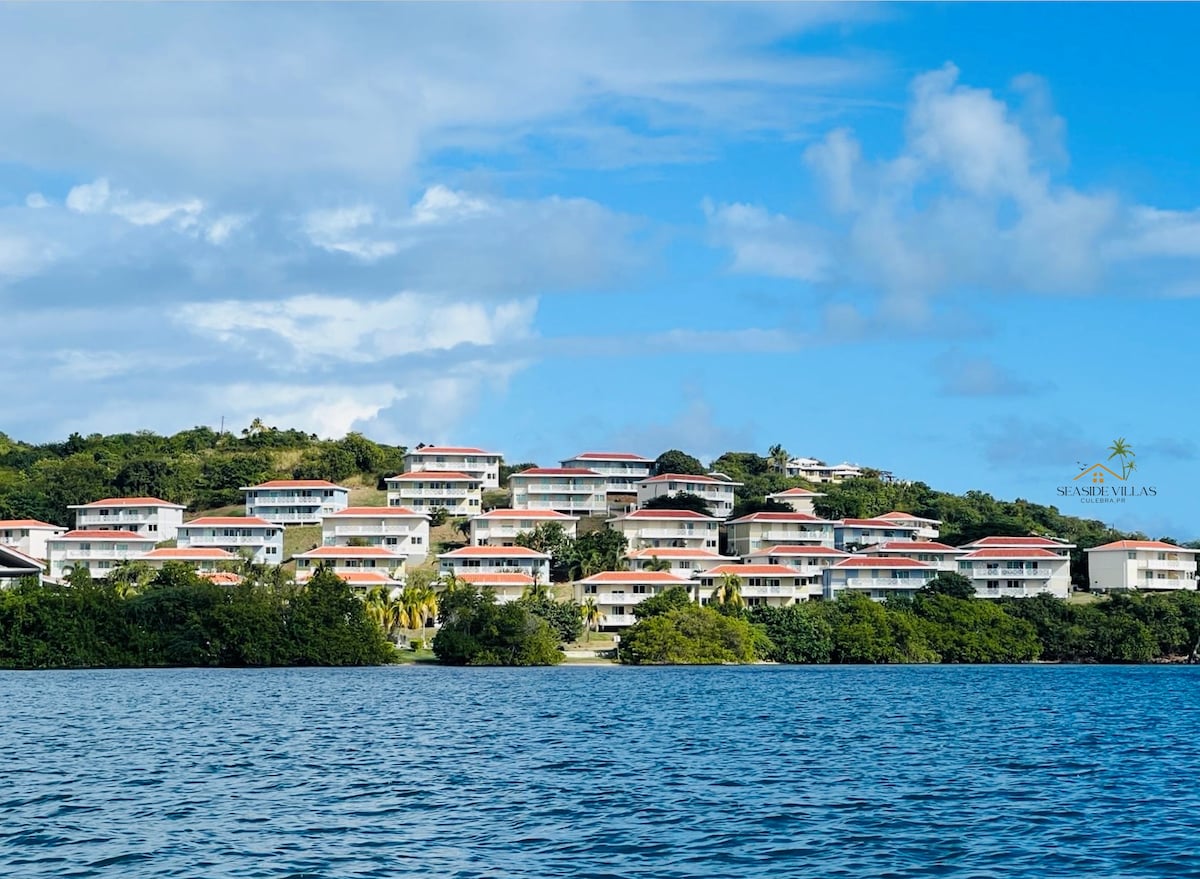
(379, 608)
(729, 591)
(779, 458)
(129, 578)
(592, 615)
(656, 564)
(537, 590)
(1121, 449)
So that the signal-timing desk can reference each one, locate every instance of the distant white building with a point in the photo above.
(877, 578)
(342, 560)
(941, 556)
(28, 536)
(571, 490)
(396, 529)
(484, 466)
(496, 560)
(809, 562)
(148, 516)
(16, 565)
(201, 559)
(683, 562)
(616, 593)
(263, 540)
(851, 534)
(1050, 544)
(927, 529)
(1016, 572)
(97, 551)
(817, 471)
(295, 501)
(506, 586)
(719, 494)
(799, 499)
(772, 585)
(622, 471)
(755, 531)
(459, 494)
(1145, 565)
(677, 529)
(501, 527)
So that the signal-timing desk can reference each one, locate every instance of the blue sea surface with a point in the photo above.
(1033, 771)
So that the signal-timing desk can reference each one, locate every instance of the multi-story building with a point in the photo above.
(397, 529)
(809, 562)
(459, 494)
(295, 501)
(678, 529)
(941, 556)
(16, 565)
(801, 500)
(877, 578)
(852, 534)
(352, 560)
(1141, 564)
(683, 562)
(927, 529)
(616, 593)
(501, 527)
(1058, 547)
(750, 533)
(1016, 572)
(773, 585)
(28, 536)
(496, 560)
(717, 493)
(571, 490)
(506, 586)
(148, 516)
(97, 551)
(260, 539)
(817, 471)
(483, 466)
(202, 559)
(622, 471)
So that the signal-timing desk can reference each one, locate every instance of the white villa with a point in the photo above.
(1141, 564)
(717, 493)
(799, 499)
(616, 593)
(941, 556)
(496, 560)
(148, 516)
(622, 471)
(501, 527)
(352, 560)
(817, 471)
(927, 529)
(851, 534)
(98, 551)
(15, 565)
(396, 529)
(756, 531)
(877, 578)
(459, 494)
(483, 466)
(679, 529)
(683, 562)
(28, 536)
(235, 534)
(202, 559)
(507, 586)
(1016, 572)
(1058, 547)
(808, 561)
(570, 490)
(774, 585)
(295, 501)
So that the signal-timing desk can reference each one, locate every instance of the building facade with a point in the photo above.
(97, 551)
(1016, 572)
(571, 490)
(853, 534)
(496, 560)
(396, 529)
(482, 465)
(801, 500)
(682, 562)
(622, 471)
(28, 536)
(343, 560)
(1144, 565)
(677, 529)
(750, 533)
(501, 527)
(717, 493)
(877, 578)
(459, 494)
(616, 593)
(260, 539)
(759, 584)
(295, 501)
(941, 556)
(148, 516)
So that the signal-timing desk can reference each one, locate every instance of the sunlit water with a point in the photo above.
(602, 772)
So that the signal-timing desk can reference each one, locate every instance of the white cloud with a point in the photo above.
(975, 376)
(441, 204)
(36, 200)
(89, 198)
(335, 230)
(151, 213)
(770, 244)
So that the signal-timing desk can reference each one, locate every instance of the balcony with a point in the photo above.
(768, 591)
(554, 488)
(289, 500)
(382, 530)
(1007, 574)
(621, 598)
(111, 554)
(884, 583)
(787, 536)
(1165, 583)
(618, 619)
(584, 507)
(456, 493)
(672, 533)
(223, 540)
(1167, 565)
(86, 520)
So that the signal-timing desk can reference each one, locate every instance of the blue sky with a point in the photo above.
(959, 242)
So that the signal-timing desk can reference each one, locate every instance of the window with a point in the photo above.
(417, 540)
(641, 590)
(589, 589)
(151, 527)
(619, 610)
(993, 584)
(272, 550)
(1013, 584)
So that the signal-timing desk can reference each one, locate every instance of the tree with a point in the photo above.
(592, 615)
(692, 635)
(779, 458)
(729, 591)
(477, 631)
(657, 564)
(675, 461)
(438, 516)
(683, 500)
(664, 602)
(799, 633)
(949, 583)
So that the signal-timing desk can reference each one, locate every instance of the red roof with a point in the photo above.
(751, 570)
(1015, 553)
(669, 514)
(912, 517)
(558, 471)
(859, 561)
(102, 535)
(190, 552)
(875, 523)
(673, 553)
(509, 552)
(352, 552)
(298, 483)
(434, 476)
(1119, 544)
(778, 517)
(399, 512)
(26, 523)
(222, 578)
(1017, 541)
(452, 450)
(611, 456)
(679, 477)
(799, 550)
(915, 546)
(364, 578)
(527, 514)
(797, 492)
(635, 577)
(127, 502)
(232, 521)
(508, 579)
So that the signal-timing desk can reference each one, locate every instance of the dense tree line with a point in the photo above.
(181, 619)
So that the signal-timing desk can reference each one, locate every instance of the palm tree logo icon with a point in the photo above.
(1121, 449)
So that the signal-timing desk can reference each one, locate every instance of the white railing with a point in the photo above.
(554, 487)
(625, 598)
(883, 582)
(766, 591)
(1167, 565)
(292, 517)
(290, 500)
(784, 536)
(458, 493)
(616, 619)
(384, 530)
(221, 540)
(1009, 574)
(111, 554)
(673, 533)
(1177, 583)
(83, 519)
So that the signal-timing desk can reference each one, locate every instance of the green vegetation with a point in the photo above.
(672, 631)
(180, 619)
(476, 630)
(675, 461)
(684, 500)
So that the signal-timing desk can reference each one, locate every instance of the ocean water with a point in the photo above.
(602, 772)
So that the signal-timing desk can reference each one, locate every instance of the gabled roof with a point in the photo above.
(32, 524)
(549, 515)
(451, 450)
(690, 515)
(190, 553)
(558, 471)
(127, 502)
(634, 578)
(1012, 553)
(680, 477)
(365, 578)
(911, 546)
(797, 492)
(1032, 541)
(103, 535)
(231, 522)
(294, 483)
(16, 562)
(494, 552)
(433, 476)
(1134, 544)
(910, 517)
(751, 571)
(874, 523)
(510, 578)
(376, 512)
(863, 561)
(350, 552)
(611, 456)
(788, 549)
(804, 518)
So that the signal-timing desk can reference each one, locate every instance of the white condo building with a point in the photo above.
(926, 529)
(799, 499)
(618, 592)
(851, 534)
(622, 471)
(98, 551)
(484, 466)
(1016, 572)
(755, 531)
(1058, 547)
(396, 529)
(1141, 564)
(941, 556)
(809, 562)
(471, 560)
(295, 501)
(148, 516)
(501, 527)
(385, 566)
(506, 586)
(28, 536)
(203, 560)
(261, 539)
(877, 578)
(683, 562)
(571, 490)
(459, 494)
(717, 493)
(679, 529)
(817, 471)
(773, 585)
